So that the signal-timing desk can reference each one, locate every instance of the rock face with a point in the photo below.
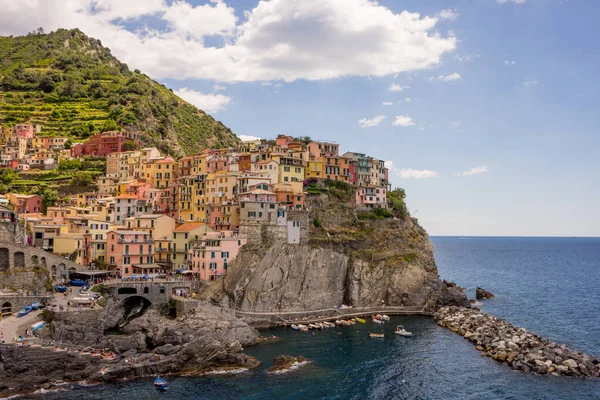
(345, 260)
(520, 349)
(482, 294)
(206, 338)
(284, 362)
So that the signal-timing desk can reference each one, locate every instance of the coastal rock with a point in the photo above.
(284, 363)
(482, 294)
(520, 349)
(205, 339)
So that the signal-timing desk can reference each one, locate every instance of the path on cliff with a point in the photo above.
(12, 327)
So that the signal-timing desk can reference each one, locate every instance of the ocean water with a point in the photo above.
(547, 285)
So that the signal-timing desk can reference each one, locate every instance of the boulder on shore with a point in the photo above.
(481, 294)
(285, 362)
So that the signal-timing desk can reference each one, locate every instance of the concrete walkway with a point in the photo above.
(12, 327)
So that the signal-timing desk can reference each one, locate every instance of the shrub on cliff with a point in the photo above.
(396, 203)
(340, 190)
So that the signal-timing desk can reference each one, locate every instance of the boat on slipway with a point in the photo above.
(24, 311)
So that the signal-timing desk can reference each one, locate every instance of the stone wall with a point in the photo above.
(155, 292)
(264, 233)
(18, 302)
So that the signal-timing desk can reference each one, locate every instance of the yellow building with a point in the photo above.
(182, 235)
(66, 244)
(159, 225)
(314, 169)
(292, 171)
(160, 172)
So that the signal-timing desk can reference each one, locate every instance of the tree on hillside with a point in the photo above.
(130, 145)
(49, 196)
(396, 203)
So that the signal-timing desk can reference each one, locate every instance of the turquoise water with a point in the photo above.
(546, 285)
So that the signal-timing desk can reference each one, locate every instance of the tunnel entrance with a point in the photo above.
(134, 306)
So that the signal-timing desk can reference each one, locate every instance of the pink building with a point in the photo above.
(25, 203)
(138, 189)
(212, 254)
(131, 252)
(25, 130)
(371, 197)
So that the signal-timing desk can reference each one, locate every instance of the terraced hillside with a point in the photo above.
(73, 86)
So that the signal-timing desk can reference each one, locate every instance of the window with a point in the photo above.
(286, 169)
(212, 254)
(251, 214)
(213, 265)
(298, 170)
(224, 254)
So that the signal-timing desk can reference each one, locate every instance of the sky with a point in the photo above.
(486, 111)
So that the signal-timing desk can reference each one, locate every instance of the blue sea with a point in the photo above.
(547, 285)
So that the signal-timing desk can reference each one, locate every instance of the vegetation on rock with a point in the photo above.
(73, 86)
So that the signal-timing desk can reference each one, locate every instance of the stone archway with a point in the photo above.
(54, 272)
(19, 259)
(35, 260)
(43, 261)
(4, 259)
(6, 309)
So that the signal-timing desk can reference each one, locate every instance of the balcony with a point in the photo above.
(139, 241)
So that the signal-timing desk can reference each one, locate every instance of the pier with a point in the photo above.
(329, 314)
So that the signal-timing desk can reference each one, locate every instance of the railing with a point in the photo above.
(142, 241)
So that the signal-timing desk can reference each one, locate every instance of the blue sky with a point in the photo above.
(507, 91)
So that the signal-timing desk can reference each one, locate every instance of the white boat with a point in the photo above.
(318, 325)
(313, 326)
(330, 324)
(385, 317)
(303, 328)
(295, 327)
(378, 321)
(376, 335)
(402, 332)
(338, 322)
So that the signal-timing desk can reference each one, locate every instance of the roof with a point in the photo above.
(149, 216)
(130, 232)
(188, 226)
(146, 266)
(24, 196)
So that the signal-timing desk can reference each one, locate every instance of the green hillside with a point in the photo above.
(73, 86)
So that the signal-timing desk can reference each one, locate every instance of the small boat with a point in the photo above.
(376, 335)
(37, 325)
(60, 288)
(303, 328)
(385, 317)
(160, 384)
(339, 322)
(361, 320)
(295, 327)
(378, 321)
(330, 324)
(24, 311)
(352, 321)
(35, 305)
(379, 316)
(77, 282)
(318, 325)
(402, 332)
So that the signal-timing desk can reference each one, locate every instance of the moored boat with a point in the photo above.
(339, 322)
(35, 305)
(160, 384)
(361, 320)
(24, 311)
(303, 328)
(376, 335)
(295, 327)
(378, 321)
(313, 326)
(385, 317)
(77, 282)
(402, 332)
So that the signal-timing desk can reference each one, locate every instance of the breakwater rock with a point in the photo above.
(520, 349)
(481, 294)
(285, 363)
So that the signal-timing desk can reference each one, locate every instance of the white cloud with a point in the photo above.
(389, 164)
(217, 88)
(421, 128)
(369, 122)
(511, 1)
(408, 100)
(211, 103)
(530, 83)
(473, 171)
(409, 173)
(455, 124)
(276, 40)
(248, 138)
(448, 78)
(387, 103)
(467, 57)
(509, 62)
(403, 120)
(448, 14)
(394, 87)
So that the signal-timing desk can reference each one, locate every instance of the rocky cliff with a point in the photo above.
(358, 259)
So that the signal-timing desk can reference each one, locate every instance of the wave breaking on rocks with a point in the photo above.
(520, 349)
